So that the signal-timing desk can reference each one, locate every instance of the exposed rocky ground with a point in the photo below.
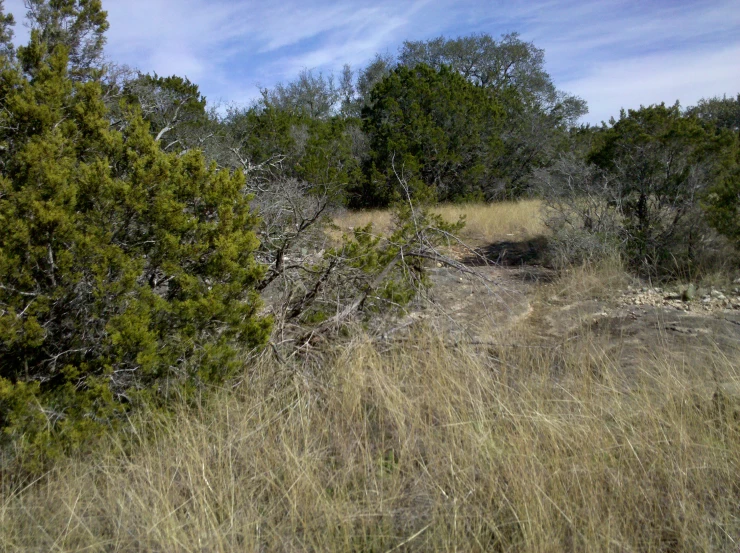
(630, 320)
(512, 289)
(701, 301)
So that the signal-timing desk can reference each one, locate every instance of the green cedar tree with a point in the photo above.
(126, 273)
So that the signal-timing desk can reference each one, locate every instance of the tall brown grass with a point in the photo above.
(485, 223)
(419, 445)
(501, 221)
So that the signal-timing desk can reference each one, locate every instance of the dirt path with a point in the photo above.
(629, 322)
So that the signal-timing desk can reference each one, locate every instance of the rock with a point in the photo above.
(717, 294)
(706, 300)
(689, 294)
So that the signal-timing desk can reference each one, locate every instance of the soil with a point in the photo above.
(513, 290)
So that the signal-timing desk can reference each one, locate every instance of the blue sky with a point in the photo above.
(612, 53)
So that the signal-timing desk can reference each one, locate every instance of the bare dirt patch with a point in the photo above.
(630, 321)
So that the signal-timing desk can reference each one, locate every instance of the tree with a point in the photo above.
(537, 114)
(258, 140)
(271, 144)
(174, 108)
(659, 164)
(77, 25)
(7, 21)
(347, 92)
(508, 63)
(432, 129)
(311, 94)
(722, 202)
(127, 273)
(353, 92)
(723, 112)
(379, 68)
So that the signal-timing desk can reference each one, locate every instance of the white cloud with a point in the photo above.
(613, 53)
(666, 77)
(618, 54)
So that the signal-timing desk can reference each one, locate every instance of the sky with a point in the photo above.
(612, 53)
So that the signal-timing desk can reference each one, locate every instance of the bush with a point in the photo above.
(723, 204)
(434, 130)
(659, 163)
(638, 190)
(584, 224)
(127, 274)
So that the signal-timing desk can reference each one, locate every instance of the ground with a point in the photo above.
(628, 317)
(514, 288)
(516, 409)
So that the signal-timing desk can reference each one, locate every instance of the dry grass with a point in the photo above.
(495, 222)
(418, 446)
(485, 223)
(348, 220)
(598, 280)
(421, 445)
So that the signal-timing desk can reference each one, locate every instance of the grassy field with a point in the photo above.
(483, 222)
(422, 444)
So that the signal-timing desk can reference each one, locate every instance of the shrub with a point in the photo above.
(126, 274)
(638, 191)
(723, 203)
(579, 211)
(659, 163)
(432, 129)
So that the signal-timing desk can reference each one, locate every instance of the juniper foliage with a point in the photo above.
(127, 274)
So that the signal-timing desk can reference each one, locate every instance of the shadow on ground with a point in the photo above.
(510, 253)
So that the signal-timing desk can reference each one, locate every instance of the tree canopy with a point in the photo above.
(434, 129)
(77, 25)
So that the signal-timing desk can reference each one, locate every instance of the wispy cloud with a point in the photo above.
(622, 54)
(665, 77)
(613, 53)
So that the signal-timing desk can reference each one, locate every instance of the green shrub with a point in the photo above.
(126, 273)
(723, 203)
(658, 163)
(433, 130)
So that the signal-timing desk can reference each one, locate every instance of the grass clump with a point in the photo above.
(423, 445)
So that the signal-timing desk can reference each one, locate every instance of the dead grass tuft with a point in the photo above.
(423, 445)
(502, 221)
